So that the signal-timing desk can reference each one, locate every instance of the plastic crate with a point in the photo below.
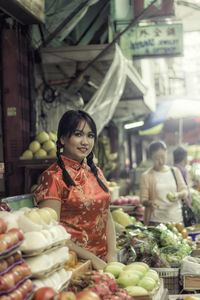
(170, 278)
(17, 202)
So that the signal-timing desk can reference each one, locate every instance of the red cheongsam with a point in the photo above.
(84, 207)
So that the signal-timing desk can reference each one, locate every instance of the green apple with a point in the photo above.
(170, 196)
(127, 278)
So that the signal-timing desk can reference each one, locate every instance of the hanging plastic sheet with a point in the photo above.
(56, 14)
(104, 102)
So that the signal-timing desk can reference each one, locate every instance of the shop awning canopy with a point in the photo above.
(110, 87)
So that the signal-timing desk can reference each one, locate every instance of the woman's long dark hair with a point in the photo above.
(67, 126)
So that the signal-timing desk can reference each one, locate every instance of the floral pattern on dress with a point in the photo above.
(84, 207)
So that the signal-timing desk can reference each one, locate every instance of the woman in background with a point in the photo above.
(77, 190)
(156, 183)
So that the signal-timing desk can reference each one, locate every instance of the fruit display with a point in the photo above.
(134, 201)
(15, 274)
(99, 283)
(42, 245)
(44, 145)
(106, 159)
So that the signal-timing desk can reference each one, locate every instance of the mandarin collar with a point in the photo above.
(73, 163)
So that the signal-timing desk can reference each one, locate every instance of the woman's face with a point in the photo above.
(159, 158)
(80, 144)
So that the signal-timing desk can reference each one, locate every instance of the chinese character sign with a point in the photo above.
(156, 40)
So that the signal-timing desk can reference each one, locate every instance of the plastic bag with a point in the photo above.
(190, 266)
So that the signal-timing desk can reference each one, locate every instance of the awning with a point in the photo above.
(118, 84)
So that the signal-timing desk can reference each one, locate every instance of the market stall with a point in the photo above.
(154, 263)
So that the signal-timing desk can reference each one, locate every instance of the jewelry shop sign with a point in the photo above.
(156, 40)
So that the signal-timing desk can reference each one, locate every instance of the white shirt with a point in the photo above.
(167, 211)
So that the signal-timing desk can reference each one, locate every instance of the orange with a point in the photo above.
(180, 227)
(184, 233)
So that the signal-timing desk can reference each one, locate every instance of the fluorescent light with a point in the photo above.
(134, 125)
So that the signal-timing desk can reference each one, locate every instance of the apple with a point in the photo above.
(87, 295)
(127, 278)
(147, 283)
(170, 196)
(65, 296)
(45, 293)
(136, 290)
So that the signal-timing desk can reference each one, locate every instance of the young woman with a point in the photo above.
(156, 183)
(77, 190)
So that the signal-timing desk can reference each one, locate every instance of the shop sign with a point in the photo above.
(160, 8)
(156, 40)
(25, 11)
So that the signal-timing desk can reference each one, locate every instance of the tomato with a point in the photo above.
(3, 226)
(7, 238)
(18, 233)
(87, 295)
(16, 295)
(28, 284)
(6, 281)
(3, 265)
(17, 256)
(25, 287)
(45, 293)
(65, 296)
(3, 246)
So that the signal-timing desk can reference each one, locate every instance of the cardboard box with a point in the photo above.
(191, 282)
(156, 294)
(86, 266)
